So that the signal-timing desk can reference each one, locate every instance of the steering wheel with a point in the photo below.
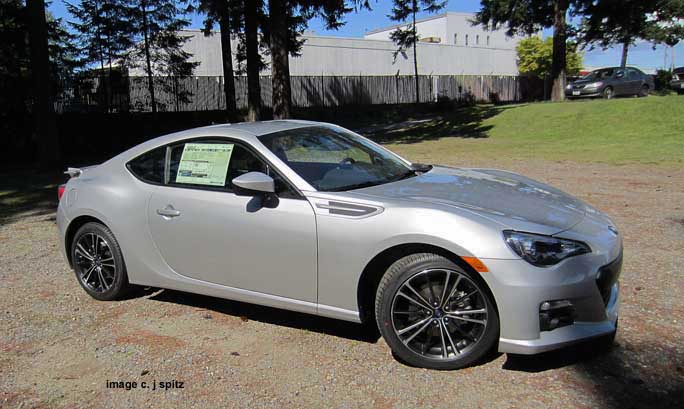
(347, 161)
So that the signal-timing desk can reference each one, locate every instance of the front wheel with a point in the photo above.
(434, 314)
(608, 93)
(644, 91)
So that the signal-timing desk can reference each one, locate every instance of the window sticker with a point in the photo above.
(204, 163)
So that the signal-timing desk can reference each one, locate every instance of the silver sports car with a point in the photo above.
(311, 217)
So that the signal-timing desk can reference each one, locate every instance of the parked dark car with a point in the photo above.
(677, 82)
(611, 82)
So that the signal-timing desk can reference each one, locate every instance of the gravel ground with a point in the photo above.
(58, 347)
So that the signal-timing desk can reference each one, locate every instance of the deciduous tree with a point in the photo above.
(535, 57)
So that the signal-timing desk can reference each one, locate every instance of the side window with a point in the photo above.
(215, 163)
(200, 163)
(149, 166)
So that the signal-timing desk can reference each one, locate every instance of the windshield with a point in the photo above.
(599, 74)
(335, 160)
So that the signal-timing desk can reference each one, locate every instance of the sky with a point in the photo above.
(641, 55)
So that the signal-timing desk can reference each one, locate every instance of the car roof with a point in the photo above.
(259, 128)
(678, 70)
(245, 131)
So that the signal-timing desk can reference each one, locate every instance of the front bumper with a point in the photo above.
(564, 336)
(677, 85)
(588, 282)
(583, 93)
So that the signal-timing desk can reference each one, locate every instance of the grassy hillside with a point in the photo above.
(630, 130)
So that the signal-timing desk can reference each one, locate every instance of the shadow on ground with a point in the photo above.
(626, 377)
(460, 122)
(28, 193)
(268, 315)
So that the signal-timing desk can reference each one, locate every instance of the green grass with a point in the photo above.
(620, 131)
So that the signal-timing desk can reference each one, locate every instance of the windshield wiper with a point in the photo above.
(356, 186)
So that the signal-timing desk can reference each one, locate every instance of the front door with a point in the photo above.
(205, 231)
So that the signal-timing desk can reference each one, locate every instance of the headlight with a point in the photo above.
(543, 251)
(595, 84)
(569, 86)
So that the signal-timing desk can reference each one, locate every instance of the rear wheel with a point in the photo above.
(98, 262)
(434, 314)
(608, 93)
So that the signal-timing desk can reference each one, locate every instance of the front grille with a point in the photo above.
(607, 277)
(577, 86)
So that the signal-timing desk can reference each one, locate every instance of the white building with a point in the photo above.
(455, 29)
(450, 45)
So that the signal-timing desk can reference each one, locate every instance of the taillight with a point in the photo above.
(60, 191)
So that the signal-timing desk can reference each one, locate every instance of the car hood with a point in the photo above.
(508, 198)
(585, 82)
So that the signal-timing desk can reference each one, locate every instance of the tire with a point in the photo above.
(464, 338)
(97, 259)
(608, 93)
(644, 91)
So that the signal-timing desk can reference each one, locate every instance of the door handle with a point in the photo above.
(168, 212)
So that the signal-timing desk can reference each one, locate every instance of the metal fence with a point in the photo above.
(206, 93)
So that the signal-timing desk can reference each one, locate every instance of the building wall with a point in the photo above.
(345, 56)
(335, 56)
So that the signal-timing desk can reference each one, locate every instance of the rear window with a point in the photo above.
(149, 166)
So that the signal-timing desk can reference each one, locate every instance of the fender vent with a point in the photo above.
(348, 209)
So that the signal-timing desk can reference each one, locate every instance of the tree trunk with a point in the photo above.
(227, 56)
(625, 50)
(148, 58)
(415, 54)
(559, 49)
(45, 120)
(252, 45)
(280, 61)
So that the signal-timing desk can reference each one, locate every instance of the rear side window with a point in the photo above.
(149, 166)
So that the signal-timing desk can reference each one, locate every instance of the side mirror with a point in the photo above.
(255, 182)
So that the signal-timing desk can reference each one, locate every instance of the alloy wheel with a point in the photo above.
(439, 314)
(95, 264)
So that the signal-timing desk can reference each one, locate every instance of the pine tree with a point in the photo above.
(159, 42)
(528, 17)
(103, 34)
(407, 37)
(45, 120)
(608, 22)
(225, 13)
(287, 20)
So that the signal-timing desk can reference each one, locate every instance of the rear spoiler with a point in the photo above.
(73, 172)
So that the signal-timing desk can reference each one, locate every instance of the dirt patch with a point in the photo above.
(150, 339)
(59, 347)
